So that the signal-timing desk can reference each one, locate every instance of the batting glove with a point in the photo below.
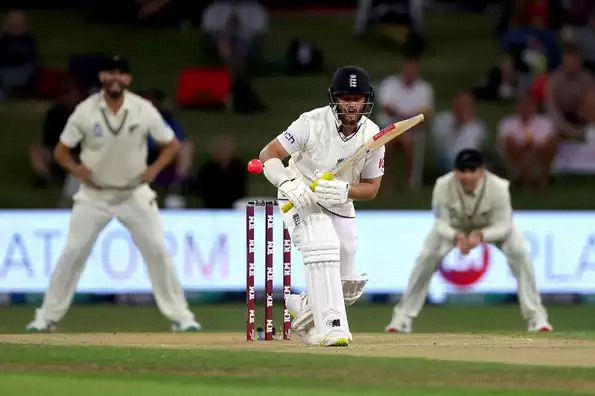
(297, 193)
(332, 192)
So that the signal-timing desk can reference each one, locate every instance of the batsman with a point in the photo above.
(322, 222)
(471, 207)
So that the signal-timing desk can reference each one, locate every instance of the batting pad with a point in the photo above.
(320, 248)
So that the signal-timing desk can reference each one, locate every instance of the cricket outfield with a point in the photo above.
(458, 350)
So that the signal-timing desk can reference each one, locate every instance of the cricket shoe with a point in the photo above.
(41, 326)
(334, 341)
(536, 326)
(186, 327)
(398, 325)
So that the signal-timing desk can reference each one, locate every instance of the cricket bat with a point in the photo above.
(381, 138)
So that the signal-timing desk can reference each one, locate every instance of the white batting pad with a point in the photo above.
(325, 295)
(320, 248)
(353, 288)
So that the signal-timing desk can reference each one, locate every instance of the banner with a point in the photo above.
(208, 250)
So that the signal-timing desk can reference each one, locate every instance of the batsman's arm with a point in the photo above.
(365, 190)
(371, 176)
(441, 217)
(288, 142)
(501, 223)
(272, 156)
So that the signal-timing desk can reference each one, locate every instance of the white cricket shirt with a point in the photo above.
(315, 145)
(114, 146)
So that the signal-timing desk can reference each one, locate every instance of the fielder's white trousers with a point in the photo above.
(436, 248)
(138, 212)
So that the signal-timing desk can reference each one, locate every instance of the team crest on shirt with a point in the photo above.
(133, 127)
(97, 130)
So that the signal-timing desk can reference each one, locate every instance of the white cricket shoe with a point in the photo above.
(186, 327)
(41, 326)
(398, 325)
(536, 326)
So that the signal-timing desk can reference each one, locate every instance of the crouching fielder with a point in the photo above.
(322, 223)
(471, 207)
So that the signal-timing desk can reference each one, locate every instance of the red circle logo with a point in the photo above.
(474, 271)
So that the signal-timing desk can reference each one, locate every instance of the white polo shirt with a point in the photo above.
(406, 100)
(114, 146)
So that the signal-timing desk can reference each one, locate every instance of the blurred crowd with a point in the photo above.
(546, 68)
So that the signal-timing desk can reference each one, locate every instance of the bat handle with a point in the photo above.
(327, 176)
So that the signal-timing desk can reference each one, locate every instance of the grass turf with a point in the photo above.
(47, 370)
(364, 318)
(233, 368)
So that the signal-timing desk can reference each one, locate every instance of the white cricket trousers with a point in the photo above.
(436, 248)
(138, 212)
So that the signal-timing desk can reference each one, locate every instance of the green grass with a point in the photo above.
(456, 58)
(31, 370)
(115, 371)
(364, 318)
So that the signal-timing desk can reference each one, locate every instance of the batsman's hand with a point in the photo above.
(463, 243)
(81, 173)
(332, 192)
(298, 193)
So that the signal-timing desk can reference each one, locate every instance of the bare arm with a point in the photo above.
(274, 149)
(555, 112)
(365, 190)
(63, 157)
(167, 154)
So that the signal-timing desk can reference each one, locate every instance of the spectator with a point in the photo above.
(566, 92)
(222, 179)
(234, 30)
(589, 111)
(584, 37)
(531, 42)
(578, 12)
(18, 55)
(47, 171)
(456, 130)
(401, 97)
(173, 177)
(528, 144)
(500, 84)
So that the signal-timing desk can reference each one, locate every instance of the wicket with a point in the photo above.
(269, 207)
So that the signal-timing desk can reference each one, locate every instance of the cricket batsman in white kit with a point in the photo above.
(322, 223)
(471, 207)
(112, 127)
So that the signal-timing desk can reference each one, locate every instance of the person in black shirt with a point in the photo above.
(223, 165)
(47, 171)
(18, 55)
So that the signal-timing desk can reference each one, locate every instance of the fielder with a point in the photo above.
(112, 127)
(471, 207)
(322, 223)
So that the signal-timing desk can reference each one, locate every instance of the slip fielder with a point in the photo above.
(471, 206)
(112, 127)
(322, 223)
